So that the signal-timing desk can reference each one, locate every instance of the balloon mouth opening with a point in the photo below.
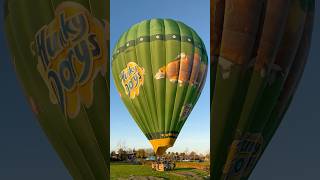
(161, 145)
(161, 150)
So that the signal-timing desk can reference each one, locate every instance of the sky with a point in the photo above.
(293, 154)
(195, 135)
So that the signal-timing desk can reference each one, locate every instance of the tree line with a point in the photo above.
(122, 154)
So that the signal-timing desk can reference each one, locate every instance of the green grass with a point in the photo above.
(123, 170)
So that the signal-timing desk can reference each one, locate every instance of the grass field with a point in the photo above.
(182, 171)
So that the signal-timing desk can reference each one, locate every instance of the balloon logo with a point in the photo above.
(162, 65)
(70, 56)
(59, 52)
(244, 154)
(131, 79)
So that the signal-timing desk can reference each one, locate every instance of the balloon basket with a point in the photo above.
(163, 165)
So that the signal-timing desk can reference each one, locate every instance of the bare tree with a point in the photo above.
(121, 145)
(193, 155)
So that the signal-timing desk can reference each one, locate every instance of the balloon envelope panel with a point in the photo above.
(159, 67)
(59, 51)
(259, 52)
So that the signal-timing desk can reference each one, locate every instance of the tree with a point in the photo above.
(192, 155)
(113, 156)
(113, 153)
(182, 156)
(207, 157)
(149, 152)
(122, 145)
(141, 153)
(123, 155)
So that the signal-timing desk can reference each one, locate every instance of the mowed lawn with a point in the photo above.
(124, 170)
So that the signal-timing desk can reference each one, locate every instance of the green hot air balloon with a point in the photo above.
(159, 67)
(259, 52)
(60, 54)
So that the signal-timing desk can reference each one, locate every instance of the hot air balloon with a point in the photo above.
(258, 55)
(159, 68)
(59, 51)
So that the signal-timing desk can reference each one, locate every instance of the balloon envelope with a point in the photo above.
(59, 51)
(159, 67)
(259, 52)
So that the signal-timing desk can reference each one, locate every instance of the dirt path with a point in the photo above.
(189, 175)
(141, 178)
(182, 174)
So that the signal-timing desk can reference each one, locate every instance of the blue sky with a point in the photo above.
(195, 135)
